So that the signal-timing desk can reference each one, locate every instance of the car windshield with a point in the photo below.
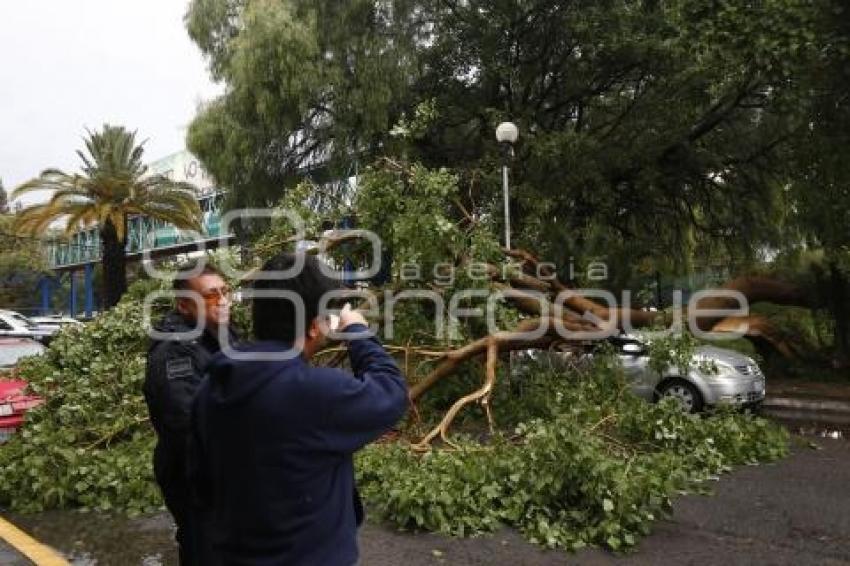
(11, 353)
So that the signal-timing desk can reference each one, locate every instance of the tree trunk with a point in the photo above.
(114, 264)
(838, 301)
(756, 289)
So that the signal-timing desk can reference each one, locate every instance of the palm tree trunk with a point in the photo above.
(114, 265)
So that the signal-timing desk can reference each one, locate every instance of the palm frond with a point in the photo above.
(79, 216)
(164, 199)
(70, 195)
(34, 219)
(45, 181)
(179, 218)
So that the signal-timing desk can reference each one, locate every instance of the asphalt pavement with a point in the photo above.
(11, 557)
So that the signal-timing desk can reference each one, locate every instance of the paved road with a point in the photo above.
(10, 557)
(796, 511)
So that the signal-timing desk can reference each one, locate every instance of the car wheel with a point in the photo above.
(685, 394)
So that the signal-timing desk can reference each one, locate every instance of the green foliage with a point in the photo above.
(628, 110)
(660, 137)
(821, 192)
(807, 326)
(22, 262)
(90, 444)
(332, 71)
(676, 351)
(417, 126)
(114, 184)
(590, 464)
(315, 209)
(415, 212)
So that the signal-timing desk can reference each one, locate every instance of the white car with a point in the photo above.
(13, 349)
(54, 321)
(16, 325)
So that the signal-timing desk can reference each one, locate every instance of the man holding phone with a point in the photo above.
(274, 436)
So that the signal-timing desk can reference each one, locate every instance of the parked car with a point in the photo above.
(716, 376)
(54, 321)
(16, 325)
(14, 400)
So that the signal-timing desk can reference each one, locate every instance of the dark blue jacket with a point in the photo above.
(273, 452)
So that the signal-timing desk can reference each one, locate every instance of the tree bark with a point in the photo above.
(114, 264)
(504, 341)
(755, 289)
(838, 300)
(759, 329)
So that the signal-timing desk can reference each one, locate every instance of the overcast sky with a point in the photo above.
(70, 64)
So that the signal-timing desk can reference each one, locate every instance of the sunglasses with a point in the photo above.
(213, 296)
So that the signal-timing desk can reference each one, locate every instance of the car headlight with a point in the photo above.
(717, 371)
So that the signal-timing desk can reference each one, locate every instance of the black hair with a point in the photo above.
(186, 272)
(275, 317)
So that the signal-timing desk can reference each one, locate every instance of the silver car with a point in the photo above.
(716, 376)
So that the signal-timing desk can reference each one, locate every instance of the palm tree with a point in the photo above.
(113, 186)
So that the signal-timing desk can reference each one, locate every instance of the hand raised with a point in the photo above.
(349, 316)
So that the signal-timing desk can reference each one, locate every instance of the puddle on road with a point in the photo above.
(94, 539)
(809, 423)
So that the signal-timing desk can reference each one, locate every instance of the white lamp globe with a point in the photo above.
(507, 132)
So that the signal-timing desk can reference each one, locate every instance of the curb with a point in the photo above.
(825, 405)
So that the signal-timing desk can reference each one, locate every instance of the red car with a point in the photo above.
(14, 401)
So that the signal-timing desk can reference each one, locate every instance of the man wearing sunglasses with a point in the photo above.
(183, 343)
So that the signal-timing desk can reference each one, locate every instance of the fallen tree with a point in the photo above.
(420, 220)
(562, 316)
(573, 460)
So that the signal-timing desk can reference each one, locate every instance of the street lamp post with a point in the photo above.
(507, 134)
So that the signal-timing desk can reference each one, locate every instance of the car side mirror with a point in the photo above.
(633, 349)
